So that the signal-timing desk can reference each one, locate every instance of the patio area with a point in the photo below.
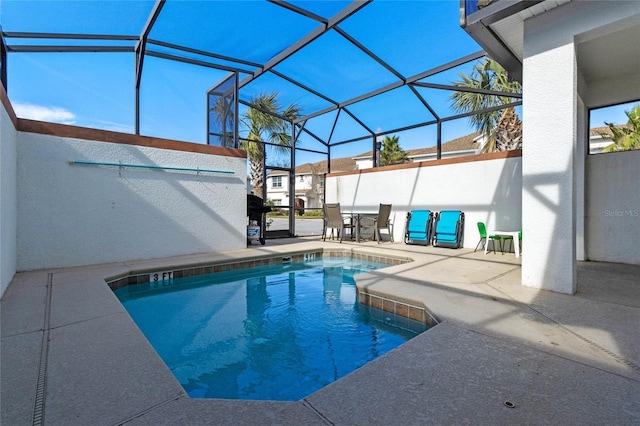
(502, 353)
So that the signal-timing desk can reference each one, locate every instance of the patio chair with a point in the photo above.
(419, 227)
(449, 229)
(510, 239)
(380, 221)
(333, 219)
(484, 239)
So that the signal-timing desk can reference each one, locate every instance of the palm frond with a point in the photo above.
(625, 137)
(487, 75)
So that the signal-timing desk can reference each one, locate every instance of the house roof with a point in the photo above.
(462, 143)
(597, 131)
(337, 165)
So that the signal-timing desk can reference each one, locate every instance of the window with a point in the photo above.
(614, 128)
(301, 179)
(276, 182)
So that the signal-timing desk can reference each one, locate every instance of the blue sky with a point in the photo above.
(97, 89)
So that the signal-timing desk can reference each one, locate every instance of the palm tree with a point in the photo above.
(391, 152)
(224, 120)
(501, 128)
(264, 124)
(625, 138)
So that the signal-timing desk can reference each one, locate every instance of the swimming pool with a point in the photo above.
(277, 332)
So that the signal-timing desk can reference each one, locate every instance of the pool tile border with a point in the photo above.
(403, 309)
(385, 303)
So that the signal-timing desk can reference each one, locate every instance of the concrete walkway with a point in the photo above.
(501, 353)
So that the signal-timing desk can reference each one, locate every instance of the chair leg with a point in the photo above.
(478, 245)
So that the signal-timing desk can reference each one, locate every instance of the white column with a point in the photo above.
(549, 162)
(582, 150)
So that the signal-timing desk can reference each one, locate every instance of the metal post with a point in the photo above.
(236, 138)
(292, 184)
(376, 152)
(439, 141)
(263, 222)
(324, 176)
(3, 62)
(137, 93)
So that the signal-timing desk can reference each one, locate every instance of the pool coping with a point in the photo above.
(142, 275)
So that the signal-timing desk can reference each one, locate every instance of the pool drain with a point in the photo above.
(509, 404)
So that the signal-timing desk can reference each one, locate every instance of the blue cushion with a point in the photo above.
(418, 221)
(417, 227)
(447, 225)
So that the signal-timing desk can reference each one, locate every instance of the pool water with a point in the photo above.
(265, 333)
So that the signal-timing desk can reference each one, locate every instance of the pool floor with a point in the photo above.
(265, 333)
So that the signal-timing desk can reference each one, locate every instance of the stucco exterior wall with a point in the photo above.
(613, 207)
(8, 198)
(553, 176)
(486, 191)
(76, 215)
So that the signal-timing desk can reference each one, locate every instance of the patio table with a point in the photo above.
(356, 217)
(514, 234)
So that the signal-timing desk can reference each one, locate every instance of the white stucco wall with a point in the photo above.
(553, 175)
(486, 191)
(76, 215)
(8, 200)
(613, 207)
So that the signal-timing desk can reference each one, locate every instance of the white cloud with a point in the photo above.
(43, 113)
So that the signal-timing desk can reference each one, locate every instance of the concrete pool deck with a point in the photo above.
(501, 353)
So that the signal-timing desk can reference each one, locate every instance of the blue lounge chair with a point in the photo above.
(449, 229)
(419, 227)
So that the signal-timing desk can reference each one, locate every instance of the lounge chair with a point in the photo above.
(419, 227)
(449, 229)
(333, 219)
(381, 221)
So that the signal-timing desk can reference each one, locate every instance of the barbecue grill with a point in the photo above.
(255, 211)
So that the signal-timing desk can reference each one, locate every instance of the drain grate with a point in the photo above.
(38, 409)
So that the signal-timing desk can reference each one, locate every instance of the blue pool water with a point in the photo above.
(265, 333)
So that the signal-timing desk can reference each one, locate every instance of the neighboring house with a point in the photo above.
(598, 142)
(470, 144)
(309, 183)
